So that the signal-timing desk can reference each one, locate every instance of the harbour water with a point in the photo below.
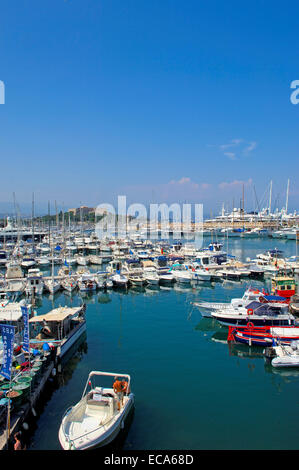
(192, 389)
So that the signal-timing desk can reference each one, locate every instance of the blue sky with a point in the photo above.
(163, 101)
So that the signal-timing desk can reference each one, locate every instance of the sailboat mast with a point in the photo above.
(270, 197)
(243, 204)
(32, 221)
(57, 228)
(287, 199)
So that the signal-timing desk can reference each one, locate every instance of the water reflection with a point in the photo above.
(244, 351)
(71, 360)
(104, 298)
(207, 324)
(282, 372)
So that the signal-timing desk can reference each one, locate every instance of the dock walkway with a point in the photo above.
(18, 417)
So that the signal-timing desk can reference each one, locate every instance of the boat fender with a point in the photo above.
(25, 426)
(250, 311)
(250, 325)
(54, 372)
(122, 425)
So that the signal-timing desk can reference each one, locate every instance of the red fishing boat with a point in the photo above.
(262, 335)
(284, 286)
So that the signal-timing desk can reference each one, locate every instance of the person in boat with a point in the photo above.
(46, 330)
(118, 389)
(125, 388)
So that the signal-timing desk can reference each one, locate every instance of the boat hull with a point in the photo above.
(100, 439)
(288, 361)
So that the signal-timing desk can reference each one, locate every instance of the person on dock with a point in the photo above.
(18, 444)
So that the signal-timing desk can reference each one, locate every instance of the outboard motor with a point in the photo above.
(269, 353)
(294, 345)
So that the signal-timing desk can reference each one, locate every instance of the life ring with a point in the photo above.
(250, 325)
(250, 311)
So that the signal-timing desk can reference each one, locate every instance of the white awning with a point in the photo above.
(58, 314)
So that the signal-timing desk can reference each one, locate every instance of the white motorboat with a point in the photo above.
(181, 274)
(87, 282)
(231, 274)
(137, 279)
(52, 285)
(95, 420)
(43, 261)
(250, 295)
(70, 260)
(82, 260)
(28, 262)
(44, 248)
(35, 282)
(166, 278)
(95, 259)
(119, 280)
(69, 284)
(255, 313)
(198, 273)
(15, 287)
(150, 275)
(103, 280)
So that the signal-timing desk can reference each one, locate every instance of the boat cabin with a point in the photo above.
(284, 286)
(58, 323)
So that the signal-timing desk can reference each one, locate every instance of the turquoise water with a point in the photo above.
(193, 390)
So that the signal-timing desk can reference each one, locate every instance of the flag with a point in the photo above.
(65, 263)
(8, 334)
(26, 329)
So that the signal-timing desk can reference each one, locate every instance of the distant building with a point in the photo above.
(84, 210)
(73, 211)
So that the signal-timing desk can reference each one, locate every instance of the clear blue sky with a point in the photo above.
(161, 100)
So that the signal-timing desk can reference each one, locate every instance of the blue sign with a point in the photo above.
(26, 329)
(8, 334)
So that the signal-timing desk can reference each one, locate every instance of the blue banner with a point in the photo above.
(25, 315)
(8, 334)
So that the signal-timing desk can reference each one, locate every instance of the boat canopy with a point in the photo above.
(147, 263)
(266, 309)
(58, 314)
(8, 314)
(273, 298)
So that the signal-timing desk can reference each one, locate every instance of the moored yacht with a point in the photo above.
(256, 314)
